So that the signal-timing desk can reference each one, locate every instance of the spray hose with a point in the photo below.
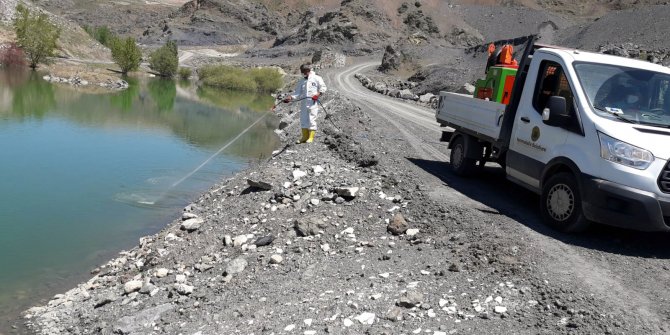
(318, 101)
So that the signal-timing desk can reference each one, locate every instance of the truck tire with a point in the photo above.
(460, 164)
(561, 204)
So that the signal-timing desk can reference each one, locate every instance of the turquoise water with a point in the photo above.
(84, 175)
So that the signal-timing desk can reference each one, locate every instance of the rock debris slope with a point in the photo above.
(337, 237)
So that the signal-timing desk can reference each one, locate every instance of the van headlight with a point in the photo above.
(623, 153)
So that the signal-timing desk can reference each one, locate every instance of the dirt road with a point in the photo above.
(624, 270)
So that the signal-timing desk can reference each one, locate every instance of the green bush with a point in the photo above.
(101, 34)
(165, 60)
(35, 35)
(268, 79)
(228, 77)
(126, 54)
(185, 73)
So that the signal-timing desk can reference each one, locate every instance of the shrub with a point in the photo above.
(101, 34)
(35, 35)
(126, 54)
(228, 77)
(165, 60)
(185, 73)
(268, 79)
(12, 56)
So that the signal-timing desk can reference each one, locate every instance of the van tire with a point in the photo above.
(561, 204)
(460, 164)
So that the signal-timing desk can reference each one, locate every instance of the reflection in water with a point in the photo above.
(124, 100)
(91, 173)
(236, 100)
(163, 92)
(33, 98)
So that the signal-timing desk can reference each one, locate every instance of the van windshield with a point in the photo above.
(627, 94)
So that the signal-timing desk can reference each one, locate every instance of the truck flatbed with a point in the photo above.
(477, 117)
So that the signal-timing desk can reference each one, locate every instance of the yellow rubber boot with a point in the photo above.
(305, 135)
(311, 136)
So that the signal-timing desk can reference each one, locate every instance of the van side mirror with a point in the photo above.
(556, 112)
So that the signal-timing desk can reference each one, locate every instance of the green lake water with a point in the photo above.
(84, 175)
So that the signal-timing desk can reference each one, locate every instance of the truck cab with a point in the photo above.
(590, 133)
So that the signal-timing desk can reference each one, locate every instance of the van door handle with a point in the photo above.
(525, 119)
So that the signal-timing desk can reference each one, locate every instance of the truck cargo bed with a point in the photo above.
(480, 118)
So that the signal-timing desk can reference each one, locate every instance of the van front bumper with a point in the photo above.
(614, 204)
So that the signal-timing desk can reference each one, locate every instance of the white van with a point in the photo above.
(588, 132)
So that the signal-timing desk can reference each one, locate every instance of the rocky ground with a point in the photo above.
(341, 237)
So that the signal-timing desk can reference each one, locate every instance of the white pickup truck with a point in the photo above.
(588, 132)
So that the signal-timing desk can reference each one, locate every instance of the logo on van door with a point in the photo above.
(535, 134)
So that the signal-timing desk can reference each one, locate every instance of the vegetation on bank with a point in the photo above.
(185, 73)
(165, 60)
(233, 78)
(101, 34)
(35, 35)
(126, 54)
(12, 56)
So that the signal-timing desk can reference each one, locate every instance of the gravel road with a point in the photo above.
(623, 268)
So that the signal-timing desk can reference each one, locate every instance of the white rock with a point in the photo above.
(310, 332)
(162, 272)
(314, 202)
(180, 278)
(424, 272)
(412, 232)
(325, 247)
(384, 275)
(431, 313)
(192, 224)
(132, 286)
(439, 333)
(240, 240)
(297, 174)
(276, 259)
(184, 289)
(308, 322)
(348, 322)
(500, 309)
(287, 184)
(347, 231)
(499, 300)
(289, 328)
(366, 318)
(318, 169)
(443, 302)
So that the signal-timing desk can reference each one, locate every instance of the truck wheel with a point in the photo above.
(460, 164)
(561, 204)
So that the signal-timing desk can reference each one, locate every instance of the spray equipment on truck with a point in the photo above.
(501, 68)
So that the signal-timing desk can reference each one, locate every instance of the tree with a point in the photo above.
(165, 60)
(35, 35)
(126, 54)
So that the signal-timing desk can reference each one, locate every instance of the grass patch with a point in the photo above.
(251, 80)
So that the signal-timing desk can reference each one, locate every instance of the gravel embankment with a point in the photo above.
(347, 241)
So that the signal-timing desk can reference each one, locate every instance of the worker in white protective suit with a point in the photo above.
(308, 92)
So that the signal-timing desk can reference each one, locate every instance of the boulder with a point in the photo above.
(391, 60)
(426, 98)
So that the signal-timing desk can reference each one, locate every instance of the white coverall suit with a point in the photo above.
(307, 88)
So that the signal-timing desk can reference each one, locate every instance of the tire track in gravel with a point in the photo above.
(562, 262)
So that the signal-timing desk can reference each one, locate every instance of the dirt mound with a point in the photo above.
(623, 27)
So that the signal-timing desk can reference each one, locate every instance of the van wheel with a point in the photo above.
(561, 204)
(461, 165)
